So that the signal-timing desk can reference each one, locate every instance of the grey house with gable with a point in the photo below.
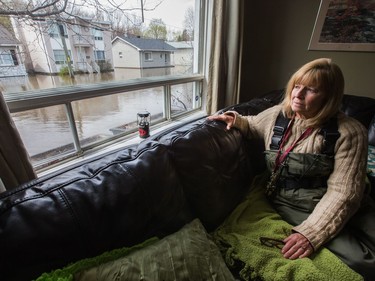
(10, 55)
(135, 52)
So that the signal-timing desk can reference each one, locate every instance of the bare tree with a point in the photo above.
(128, 25)
(187, 34)
(39, 9)
(121, 17)
(189, 25)
(120, 13)
(157, 29)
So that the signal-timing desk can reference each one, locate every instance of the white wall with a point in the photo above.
(130, 56)
(38, 52)
(183, 57)
(107, 47)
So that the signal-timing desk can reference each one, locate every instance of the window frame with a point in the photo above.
(13, 53)
(146, 55)
(58, 61)
(101, 58)
(97, 34)
(6, 58)
(65, 95)
(54, 30)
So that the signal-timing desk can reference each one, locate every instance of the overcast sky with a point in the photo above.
(172, 12)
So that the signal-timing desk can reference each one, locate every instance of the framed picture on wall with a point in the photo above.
(344, 25)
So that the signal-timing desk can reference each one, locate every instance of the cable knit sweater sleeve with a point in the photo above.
(345, 188)
(257, 126)
(346, 183)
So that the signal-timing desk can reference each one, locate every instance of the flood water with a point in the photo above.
(47, 129)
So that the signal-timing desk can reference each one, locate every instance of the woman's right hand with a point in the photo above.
(228, 118)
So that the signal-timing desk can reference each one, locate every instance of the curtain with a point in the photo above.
(15, 166)
(225, 56)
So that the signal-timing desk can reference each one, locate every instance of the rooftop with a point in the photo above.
(6, 38)
(146, 44)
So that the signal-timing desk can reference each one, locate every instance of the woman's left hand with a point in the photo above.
(296, 246)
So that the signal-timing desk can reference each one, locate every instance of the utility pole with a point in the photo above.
(62, 36)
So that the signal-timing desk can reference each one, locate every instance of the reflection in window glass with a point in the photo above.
(182, 98)
(45, 132)
(101, 118)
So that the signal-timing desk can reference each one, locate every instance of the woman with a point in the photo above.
(316, 192)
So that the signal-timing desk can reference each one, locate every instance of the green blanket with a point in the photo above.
(238, 239)
(188, 254)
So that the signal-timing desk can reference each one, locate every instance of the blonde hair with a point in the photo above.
(323, 75)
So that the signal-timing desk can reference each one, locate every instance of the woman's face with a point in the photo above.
(306, 101)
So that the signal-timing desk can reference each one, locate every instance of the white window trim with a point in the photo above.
(58, 96)
(150, 54)
(6, 58)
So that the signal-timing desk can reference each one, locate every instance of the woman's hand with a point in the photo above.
(296, 246)
(228, 118)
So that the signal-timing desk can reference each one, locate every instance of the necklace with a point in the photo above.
(282, 156)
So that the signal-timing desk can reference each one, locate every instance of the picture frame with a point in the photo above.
(344, 25)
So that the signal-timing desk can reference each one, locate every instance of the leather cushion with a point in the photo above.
(214, 167)
(88, 210)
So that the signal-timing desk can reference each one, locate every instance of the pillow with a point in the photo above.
(188, 254)
(214, 166)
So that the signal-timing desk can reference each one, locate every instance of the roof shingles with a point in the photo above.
(6, 38)
(148, 44)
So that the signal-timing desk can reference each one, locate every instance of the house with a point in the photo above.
(183, 55)
(136, 52)
(11, 64)
(50, 45)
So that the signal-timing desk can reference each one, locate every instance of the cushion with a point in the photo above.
(116, 201)
(188, 254)
(214, 167)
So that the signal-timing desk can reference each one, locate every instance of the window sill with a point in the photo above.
(127, 141)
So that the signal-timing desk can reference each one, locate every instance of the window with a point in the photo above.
(53, 30)
(148, 56)
(99, 55)
(60, 57)
(6, 58)
(56, 29)
(98, 34)
(75, 117)
(120, 55)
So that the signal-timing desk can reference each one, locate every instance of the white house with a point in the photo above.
(183, 55)
(136, 52)
(50, 45)
(10, 60)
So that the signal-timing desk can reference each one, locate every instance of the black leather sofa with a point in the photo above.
(195, 170)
